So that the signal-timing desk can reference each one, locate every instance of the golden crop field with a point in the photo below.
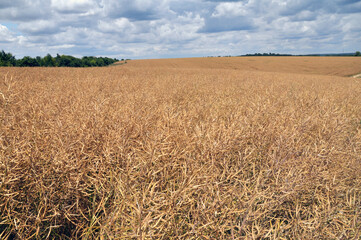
(202, 148)
(337, 66)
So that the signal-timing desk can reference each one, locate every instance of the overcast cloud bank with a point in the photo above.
(173, 28)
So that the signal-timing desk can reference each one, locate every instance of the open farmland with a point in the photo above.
(336, 66)
(204, 148)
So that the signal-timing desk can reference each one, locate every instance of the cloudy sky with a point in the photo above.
(178, 28)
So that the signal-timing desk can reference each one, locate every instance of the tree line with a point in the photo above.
(9, 60)
(323, 54)
(268, 54)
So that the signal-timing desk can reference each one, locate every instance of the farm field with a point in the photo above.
(199, 148)
(336, 66)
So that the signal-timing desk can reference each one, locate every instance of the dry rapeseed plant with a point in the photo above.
(161, 150)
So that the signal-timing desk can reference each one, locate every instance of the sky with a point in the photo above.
(139, 29)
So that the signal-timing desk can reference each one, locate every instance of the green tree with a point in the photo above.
(28, 62)
(39, 60)
(75, 62)
(49, 61)
(358, 54)
(86, 61)
(64, 61)
(7, 59)
(100, 62)
(57, 60)
(93, 62)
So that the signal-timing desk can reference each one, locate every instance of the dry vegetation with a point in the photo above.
(155, 151)
(336, 66)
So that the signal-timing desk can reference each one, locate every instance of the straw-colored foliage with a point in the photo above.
(162, 149)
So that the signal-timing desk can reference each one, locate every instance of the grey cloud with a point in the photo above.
(304, 16)
(348, 1)
(322, 6)
(223, 24)
(354, 7)
(39, 27)
(181, 7)
(7, 4)
(223, 1)
(71, 7)
(22, 11)
(136, 9)
(295, 7)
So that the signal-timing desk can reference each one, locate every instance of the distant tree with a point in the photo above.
(358, 54)
(76, 62)
(57, 60)
(100, 62)
(49, 61)
(89, 61)
(85, 61)
(7, 59)
(39, 60)
(108, 61)
(28, 62)
(67, 61)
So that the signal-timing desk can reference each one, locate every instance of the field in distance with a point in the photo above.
(337, 66)
(200, 148)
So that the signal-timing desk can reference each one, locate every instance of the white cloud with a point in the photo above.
(181, 28)
(64, 46)
(230, 9)
(119, 25)
(6, 35)
(174, 28)
(72, 6)
(39, 27)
